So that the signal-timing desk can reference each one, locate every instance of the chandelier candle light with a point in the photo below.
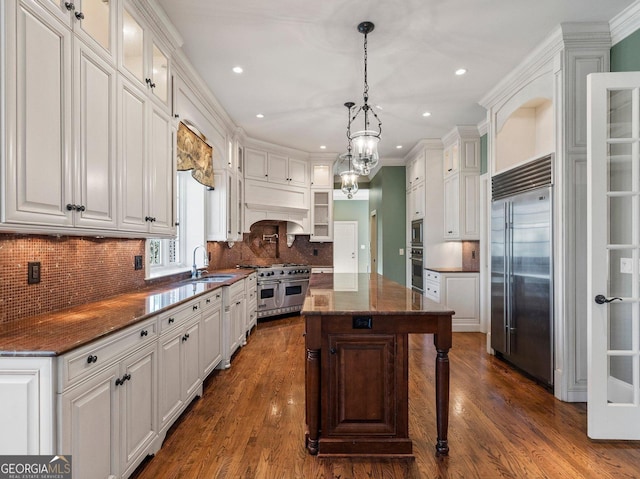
(365, 142)
(349, 177)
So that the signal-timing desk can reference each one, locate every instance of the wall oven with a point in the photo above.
(417, 233)
(417, 270)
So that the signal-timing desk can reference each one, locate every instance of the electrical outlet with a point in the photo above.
(315, 252)
(626, 265)
(33, 272)
(137, 262)
(473, 254)
(401, 251)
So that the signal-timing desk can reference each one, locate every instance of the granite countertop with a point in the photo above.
(344, 293)
(56, 333)
(452, 270)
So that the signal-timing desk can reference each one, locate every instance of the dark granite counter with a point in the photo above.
(452, 270)
(343, 293)
(56, 333)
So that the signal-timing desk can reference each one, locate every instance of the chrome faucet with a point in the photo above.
(194, 269)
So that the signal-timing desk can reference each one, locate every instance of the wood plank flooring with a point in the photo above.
(250, 422)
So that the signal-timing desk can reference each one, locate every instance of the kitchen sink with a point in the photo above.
(214, 278)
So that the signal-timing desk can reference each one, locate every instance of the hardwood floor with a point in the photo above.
(250, 422)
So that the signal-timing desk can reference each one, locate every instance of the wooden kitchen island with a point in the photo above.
(357, 328)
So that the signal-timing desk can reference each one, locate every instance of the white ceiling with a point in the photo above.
(303, 59)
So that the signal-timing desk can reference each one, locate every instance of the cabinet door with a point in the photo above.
(38, 169)
(322, 175)
(159, 74)
(217, 201)
(191, 359)
(90, 425)
(211, 336)
(461, 293)
(137, 407)
(470, 197)
(361, 391)
(297, 172)
(162, 173)
(418, 200)
(278, 169)
(169, 377)
(451, 160)
(321, 215)
(133, 150)
(95, 22)
(452, 207)
(132, 46)
(255, 164)
(95, 140)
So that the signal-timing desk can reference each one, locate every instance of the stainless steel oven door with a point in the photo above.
(417, 273)
(293, 292)
(269, 295)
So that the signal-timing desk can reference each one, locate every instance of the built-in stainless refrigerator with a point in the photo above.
(522, 269)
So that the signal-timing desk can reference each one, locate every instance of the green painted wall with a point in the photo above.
(625, 56)
(387, 197)
(356, 210)
(484, 152)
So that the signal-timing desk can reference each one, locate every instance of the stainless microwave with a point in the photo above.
(416, 233)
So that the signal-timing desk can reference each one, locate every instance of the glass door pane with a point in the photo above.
(96, 21)
(132, 46)
(160, 74)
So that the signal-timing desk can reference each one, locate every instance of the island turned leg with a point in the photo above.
(442, 401)
(312, 379)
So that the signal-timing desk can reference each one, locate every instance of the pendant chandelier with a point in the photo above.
(349, 177)
(365, 142)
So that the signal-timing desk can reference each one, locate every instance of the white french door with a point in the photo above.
(613, 177)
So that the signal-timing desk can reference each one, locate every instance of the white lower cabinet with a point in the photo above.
(233, 323)
(179, 364)
(110, 403)
(27, 412)
(459, 291)
(211, 334)
(108, 419)
(251, 293)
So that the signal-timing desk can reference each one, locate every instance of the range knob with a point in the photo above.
(291, 272)
(281, 272)
(261, 274)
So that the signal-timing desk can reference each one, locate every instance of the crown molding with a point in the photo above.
(483, 127)
(625, 23)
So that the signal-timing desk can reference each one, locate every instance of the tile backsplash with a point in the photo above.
(471, 255)
(261, 247)
(78, 270)
(74, 270)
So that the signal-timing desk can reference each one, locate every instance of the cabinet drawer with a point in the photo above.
(431, 276)
(251, 280)
(433, 293)
(92, 358)
(178, 316)
(236, 289)
(211, 301)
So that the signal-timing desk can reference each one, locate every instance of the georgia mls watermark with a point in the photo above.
(35, 467)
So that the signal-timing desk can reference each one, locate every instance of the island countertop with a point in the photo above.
(346, 293)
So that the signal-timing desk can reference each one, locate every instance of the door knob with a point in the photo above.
(600, 299)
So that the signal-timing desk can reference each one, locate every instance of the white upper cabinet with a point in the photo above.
(461, 167)
(322, 174)
(142, 59)
(274, 168)
(94, 21)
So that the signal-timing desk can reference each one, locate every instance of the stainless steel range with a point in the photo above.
(281, 288)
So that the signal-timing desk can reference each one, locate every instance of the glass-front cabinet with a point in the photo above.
(321, 215)
(142, 58)
(92, 20)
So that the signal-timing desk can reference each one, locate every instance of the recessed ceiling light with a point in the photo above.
(379, 107)
(323, 147)
(426, 114)
(259, 115)
(399, 147)
(237, 70)
(461, 71)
